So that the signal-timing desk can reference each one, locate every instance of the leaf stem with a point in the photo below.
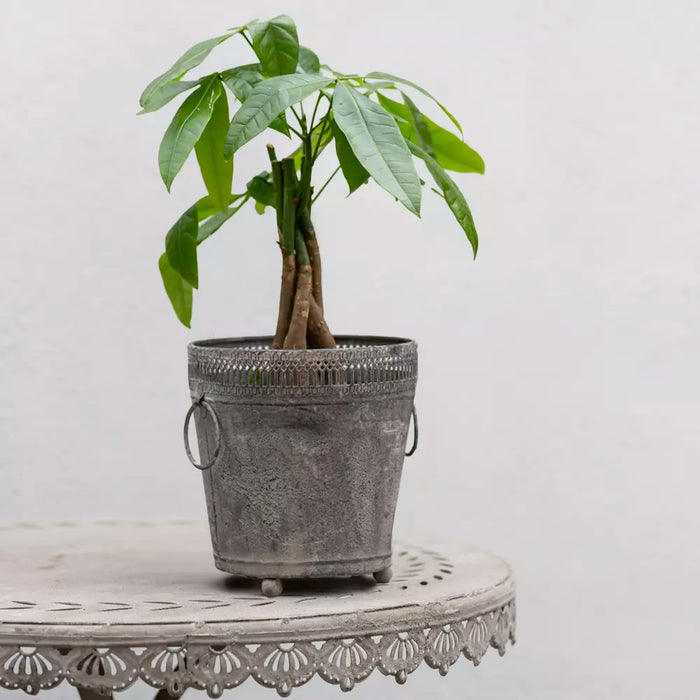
(325, 184)
(250, 43)
(296, 131)
(317, 149)
(245, 199)
(302, 122)
(312, 125)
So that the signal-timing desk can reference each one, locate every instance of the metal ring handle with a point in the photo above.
(217, 433)
(414, 447)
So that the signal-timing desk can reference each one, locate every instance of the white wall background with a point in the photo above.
(570, 445)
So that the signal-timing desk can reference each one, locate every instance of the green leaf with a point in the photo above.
(378, 144)
(419, 126)
(260, 188)
(167, 92)
(214, 223)
(179, 291)
(242, 80)
(450, 151)
(260, 208)
(355, 79)
(276, 45)
(353, 171)
(217, 172)
(393, 78)
(265, 102)
(454, 198)
(186, 128)
(242, 27)
(308, 61)
(280, 124)
(206, 207)
(379, 85)
(181, 246)
(190, 59)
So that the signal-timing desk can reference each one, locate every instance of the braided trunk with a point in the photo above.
(300, 321)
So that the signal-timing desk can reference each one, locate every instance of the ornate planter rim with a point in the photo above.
(249, 366)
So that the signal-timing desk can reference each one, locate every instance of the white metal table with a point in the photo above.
(103, 605)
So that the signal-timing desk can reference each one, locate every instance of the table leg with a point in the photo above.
(163, 694)
(88, 694)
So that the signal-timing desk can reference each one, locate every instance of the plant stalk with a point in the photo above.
(296, 336)
(284, 201)
(318, 334)
(300, 321)
(314, 256)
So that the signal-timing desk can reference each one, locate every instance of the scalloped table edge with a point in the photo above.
(216, 667)
(99, 659)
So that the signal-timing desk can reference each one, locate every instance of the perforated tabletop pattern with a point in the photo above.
(132, 595)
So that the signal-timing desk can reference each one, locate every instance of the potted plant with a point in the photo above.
(302, 434)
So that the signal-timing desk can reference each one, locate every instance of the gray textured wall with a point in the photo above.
(569, 441)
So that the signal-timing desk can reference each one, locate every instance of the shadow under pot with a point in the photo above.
(302, 452)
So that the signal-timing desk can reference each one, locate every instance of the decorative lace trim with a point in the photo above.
(280, 665)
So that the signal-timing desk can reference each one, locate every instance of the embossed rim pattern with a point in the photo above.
(231, 367)
(279, 665)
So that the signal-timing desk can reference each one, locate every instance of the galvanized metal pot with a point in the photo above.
(302, 452)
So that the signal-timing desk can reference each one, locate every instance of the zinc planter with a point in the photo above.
(302, 452)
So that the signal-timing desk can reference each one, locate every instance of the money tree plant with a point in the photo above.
(287, 89)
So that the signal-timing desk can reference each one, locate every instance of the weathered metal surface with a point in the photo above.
(103, 605)
(306, 449)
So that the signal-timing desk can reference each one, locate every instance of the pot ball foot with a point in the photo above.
(384, 575)
(271, 587)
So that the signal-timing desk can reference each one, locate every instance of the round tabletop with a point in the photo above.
(103, 605)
